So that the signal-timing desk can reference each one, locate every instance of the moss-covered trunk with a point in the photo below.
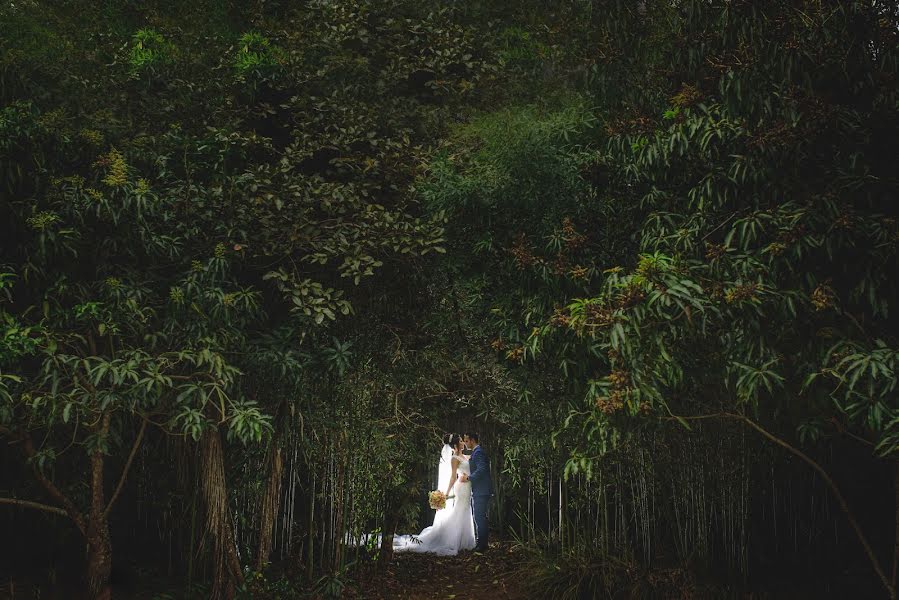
(226, 564)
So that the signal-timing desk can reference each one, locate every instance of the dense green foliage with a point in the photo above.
(769, 236)
(647, 249)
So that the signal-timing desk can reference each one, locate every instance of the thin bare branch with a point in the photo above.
(70, 509)
(35, 505)
(127, 467)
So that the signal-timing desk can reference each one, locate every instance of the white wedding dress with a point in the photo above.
(444, 472)
(453, 528)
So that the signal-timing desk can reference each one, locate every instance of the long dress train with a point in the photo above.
(450, 533)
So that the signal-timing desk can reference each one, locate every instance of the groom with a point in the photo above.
(481, 489)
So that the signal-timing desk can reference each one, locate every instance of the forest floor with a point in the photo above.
(493, 574)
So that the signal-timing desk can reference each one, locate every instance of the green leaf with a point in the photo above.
(683, 422)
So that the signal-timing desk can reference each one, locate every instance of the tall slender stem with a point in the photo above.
(841, 500)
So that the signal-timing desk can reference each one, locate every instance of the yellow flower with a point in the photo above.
(52, 119)
(143, 187)
(687, 96)
(740, 293)
(91, 136)
(823, 297)
(776, 248)
(73, 180)
(42, 220)
(611, 403)
(713, 251)
(515, 353)
(220, 250)
(648, 267)
(117, 175)
(619, 378)
(578, 272)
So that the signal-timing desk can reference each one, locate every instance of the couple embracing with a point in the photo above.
(462, 524)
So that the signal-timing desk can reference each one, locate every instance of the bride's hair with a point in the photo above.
(452, 440)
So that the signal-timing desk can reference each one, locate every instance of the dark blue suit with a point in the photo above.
(481, 490)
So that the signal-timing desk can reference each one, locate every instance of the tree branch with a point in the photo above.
(842, 429)
(85, 382)
(192, 376)
(36, 505)
(127, 467)
(722, 224)
(70, 509)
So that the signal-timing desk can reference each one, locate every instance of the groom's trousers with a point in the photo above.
(479, 512)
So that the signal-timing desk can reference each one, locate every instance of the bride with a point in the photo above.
(453, 528)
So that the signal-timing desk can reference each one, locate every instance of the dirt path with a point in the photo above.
(420, 576)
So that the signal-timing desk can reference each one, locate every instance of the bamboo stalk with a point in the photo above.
(895, 525)
(841, 500)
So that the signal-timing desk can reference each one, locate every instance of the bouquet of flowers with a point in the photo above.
(437, 499)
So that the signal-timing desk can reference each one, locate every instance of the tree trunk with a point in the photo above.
(227, 569)
(99, 543)
(94, 526)
(386, 553)
(270, 504)
(391, 521)
(271, 499)
(99, 560)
